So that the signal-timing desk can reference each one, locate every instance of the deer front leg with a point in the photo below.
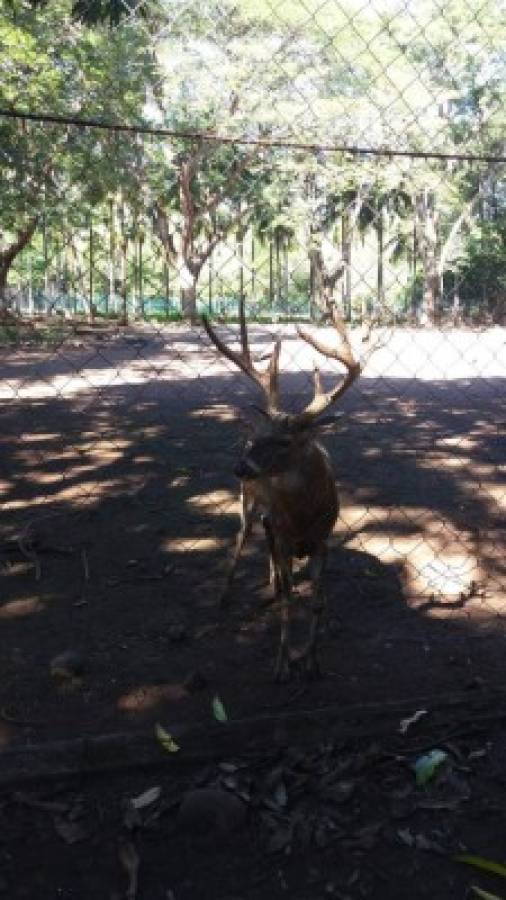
(282, 569)
(247, 514)
(318, 602)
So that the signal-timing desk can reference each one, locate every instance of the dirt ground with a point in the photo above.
(118, 510)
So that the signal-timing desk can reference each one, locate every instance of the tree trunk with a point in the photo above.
(431, 289)
(189, 278)
(240, 254)
(430, 248)
(346, 236)
(189, 301)
(166, 282)
(123, 289)
(31, 307)
(278, 271)
(210, 285)
(253, 271)
(112, 257)
(141, 277)
(286, 275)
(91, 308)
(271, 274)
(4, 271)
(380, 286)
(312, 286)
(9, 254)
(414, 260)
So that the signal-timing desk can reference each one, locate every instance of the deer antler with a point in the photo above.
(267, 379)
(343, 353)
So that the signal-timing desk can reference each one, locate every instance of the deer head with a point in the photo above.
(279, 436)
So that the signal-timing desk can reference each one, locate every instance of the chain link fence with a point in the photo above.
(282, 154)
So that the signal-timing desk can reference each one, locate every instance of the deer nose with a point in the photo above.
(245, 469)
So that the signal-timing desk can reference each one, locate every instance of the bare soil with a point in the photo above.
(118, 510)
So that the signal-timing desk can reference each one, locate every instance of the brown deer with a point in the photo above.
(287, 476)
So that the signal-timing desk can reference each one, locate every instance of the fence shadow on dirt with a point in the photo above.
(119, 508)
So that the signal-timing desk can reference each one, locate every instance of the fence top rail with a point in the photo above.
(314, 147)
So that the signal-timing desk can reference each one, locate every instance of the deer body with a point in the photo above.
(302, 502)
(287, 477)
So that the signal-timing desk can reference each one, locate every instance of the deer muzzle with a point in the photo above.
(246, 470)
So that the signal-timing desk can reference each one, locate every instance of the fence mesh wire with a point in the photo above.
(283, 154)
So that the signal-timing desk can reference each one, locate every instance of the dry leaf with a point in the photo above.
(129, 859)
(165, 739)
(405, 724)
(147, 798)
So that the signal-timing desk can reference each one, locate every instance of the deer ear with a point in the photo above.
(249, 418)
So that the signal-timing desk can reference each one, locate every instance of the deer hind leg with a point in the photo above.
(247, 515)
(274, 576)
(282, 571)
(318, 603)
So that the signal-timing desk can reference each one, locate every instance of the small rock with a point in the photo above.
(68, 666)
(209, 810)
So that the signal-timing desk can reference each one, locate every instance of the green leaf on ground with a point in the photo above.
(427, 765)
(484, 895)
(479, 862)
(219, 711)
(165, 739)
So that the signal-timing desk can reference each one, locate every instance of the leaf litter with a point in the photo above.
(331, 796)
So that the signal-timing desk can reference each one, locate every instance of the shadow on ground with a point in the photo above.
(119, 508)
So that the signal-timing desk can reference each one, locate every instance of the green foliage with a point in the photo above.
(344, 73)
(481, 269)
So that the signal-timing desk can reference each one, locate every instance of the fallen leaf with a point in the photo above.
(71, 832)
(147, 798)
(406, 837)
(219, 711)
(479, 862)
(228, 767)
(423, 843)
(478, 754)
(230, 782)
(165, 739)
(405, 724)
(280, 794)
(441, 804)
(129, 859)
(427, 765)
(485, 895)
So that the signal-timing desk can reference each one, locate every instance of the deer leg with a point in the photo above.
(282, 566)
(318, 602)
(247, 512)
(275, 579)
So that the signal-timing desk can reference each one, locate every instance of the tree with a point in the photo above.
(55, 65)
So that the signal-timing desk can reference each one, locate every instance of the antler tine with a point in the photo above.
(267, 379)
(317, 382)
(343, 354)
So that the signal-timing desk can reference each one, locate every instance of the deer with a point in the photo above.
(287, 477)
